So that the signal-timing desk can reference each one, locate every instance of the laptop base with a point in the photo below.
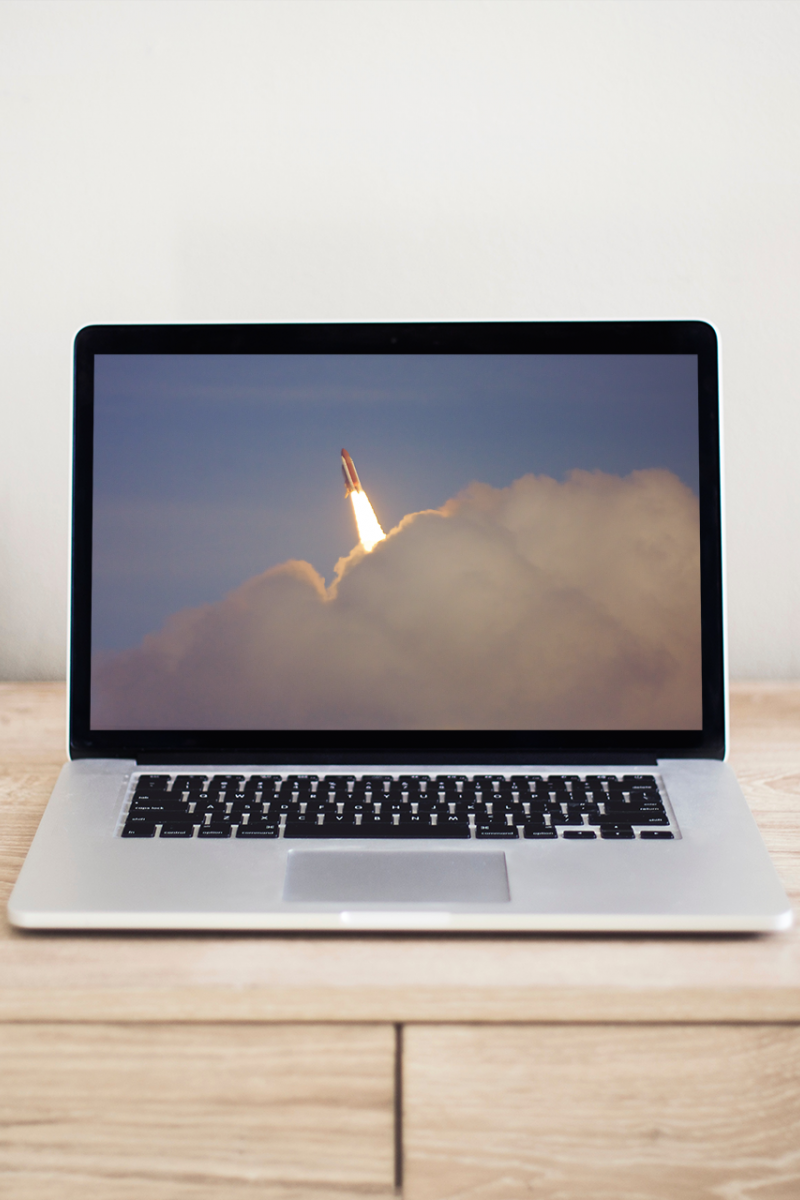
(715, 877)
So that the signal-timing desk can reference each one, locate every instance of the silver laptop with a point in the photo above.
(398, 626)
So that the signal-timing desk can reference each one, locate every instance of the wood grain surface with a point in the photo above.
(400, 978)
(195, 1112)
(33, 723)
(694, 1112)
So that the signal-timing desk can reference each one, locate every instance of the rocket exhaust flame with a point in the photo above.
(369, 530)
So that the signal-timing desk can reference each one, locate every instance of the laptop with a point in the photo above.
(398, 627)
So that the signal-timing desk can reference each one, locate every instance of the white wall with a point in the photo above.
(266, 161)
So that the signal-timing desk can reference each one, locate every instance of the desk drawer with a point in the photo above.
(196, 1112)
(606, 1111)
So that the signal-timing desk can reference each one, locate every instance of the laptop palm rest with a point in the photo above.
(383, 877)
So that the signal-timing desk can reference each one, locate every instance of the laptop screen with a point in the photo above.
(382, 541)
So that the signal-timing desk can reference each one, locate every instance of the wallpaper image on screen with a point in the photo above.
(513, 542)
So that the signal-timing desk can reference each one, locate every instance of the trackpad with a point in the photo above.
(384, 877)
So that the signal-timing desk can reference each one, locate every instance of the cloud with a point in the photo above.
(542, 605)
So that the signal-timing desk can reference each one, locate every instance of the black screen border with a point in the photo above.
(398, 746)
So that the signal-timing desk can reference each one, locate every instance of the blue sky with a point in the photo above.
(210, 469)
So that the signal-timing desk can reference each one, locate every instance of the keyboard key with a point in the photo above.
(258, 829)
(145, 829)
(167, 809)
(214, 831)
(578, 833)
(628, 815)
(656, 833)
(456, 820)
(176, 829)
(618, 834)
(155, 782)
(540, 831)
(496, 831)
(426, 831)
(182, 783)
(415, 832)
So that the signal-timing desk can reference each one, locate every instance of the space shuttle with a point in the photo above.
(351, 481)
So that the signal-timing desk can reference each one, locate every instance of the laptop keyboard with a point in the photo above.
(491, 807)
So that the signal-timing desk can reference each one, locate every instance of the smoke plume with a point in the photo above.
(542, 605)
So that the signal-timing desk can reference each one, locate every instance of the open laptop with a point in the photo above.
(399, 626)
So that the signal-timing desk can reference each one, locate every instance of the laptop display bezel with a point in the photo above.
(399, 746)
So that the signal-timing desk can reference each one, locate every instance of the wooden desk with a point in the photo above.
(497, 1067)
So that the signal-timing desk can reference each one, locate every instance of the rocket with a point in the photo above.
(351, 481)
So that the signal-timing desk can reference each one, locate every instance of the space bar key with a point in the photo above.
(376, 831)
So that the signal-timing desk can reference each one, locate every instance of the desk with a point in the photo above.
(281, 1067)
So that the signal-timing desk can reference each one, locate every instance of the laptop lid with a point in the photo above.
(356, 543)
